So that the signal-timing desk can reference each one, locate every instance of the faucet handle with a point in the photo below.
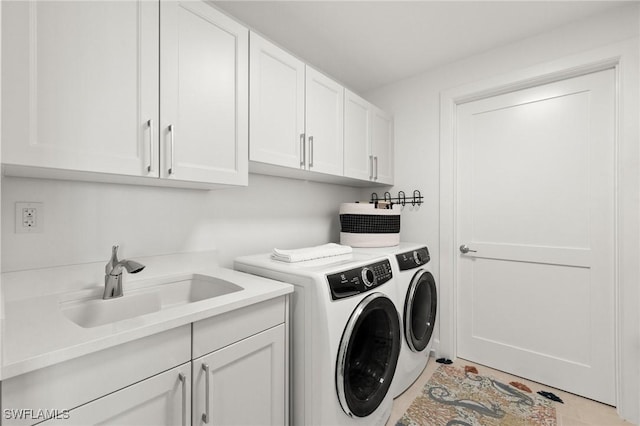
(114, 253)
(114, 259)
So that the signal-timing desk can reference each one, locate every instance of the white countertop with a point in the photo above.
(36, 334)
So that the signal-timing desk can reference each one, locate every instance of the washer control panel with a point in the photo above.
(413, 259)
(358, 280)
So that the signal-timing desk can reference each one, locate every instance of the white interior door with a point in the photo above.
(535, 186)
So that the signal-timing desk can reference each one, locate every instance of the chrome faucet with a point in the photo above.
(113, 273)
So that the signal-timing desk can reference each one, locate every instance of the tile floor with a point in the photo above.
(575, 411)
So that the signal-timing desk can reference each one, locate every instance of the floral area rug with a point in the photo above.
(455, 397)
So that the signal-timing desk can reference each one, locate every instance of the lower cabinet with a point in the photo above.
(63, 390)
(243, 383)
(229, 369)
(160, 400)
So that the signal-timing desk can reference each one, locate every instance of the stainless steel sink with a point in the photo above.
(93, 311)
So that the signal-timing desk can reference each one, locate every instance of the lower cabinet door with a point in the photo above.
(160, 400)
(243, 383)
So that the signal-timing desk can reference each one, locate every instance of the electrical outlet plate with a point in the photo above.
(29, 217)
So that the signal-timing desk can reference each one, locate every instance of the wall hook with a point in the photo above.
(416, 199)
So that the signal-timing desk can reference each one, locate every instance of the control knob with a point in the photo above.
(417, 257)
(368, 277)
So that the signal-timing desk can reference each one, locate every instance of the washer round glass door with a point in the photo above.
(368, 355)
(420, 309)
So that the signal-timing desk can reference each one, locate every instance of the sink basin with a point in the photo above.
(92, 313)
(161, 295)
(194, 289)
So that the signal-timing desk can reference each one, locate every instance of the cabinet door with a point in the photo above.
(79, 84)
(159, 400)
(358, 159)
(324, 109)
(382, 146)
(243, 383)
(276, 102)
(204, 87)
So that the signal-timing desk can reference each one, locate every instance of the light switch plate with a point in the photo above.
(29, 217)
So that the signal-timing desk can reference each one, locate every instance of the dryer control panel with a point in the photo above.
(413, 259)
(359, 280)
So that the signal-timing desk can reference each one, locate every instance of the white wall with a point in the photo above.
(415, 104)
(82, 220)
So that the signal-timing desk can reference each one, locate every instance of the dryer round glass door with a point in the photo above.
(368, 355)
(420, 310)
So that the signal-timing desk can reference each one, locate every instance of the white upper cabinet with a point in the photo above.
(368, 141)
(80, 82)
(157, 93)
(296, 112)
(324, 120)
(302, 120)
(84, 80)
(204, 105)
(382, 146)
(358, 159)
(276, 104)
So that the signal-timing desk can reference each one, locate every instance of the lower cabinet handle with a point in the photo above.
(172, 132)
(310, 151)
(205, 415)
(183, 379)
(150, 126)
(303, 151)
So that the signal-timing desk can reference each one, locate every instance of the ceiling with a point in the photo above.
(368, 44)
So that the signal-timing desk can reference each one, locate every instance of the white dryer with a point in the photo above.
(418, 311)
(345, 336)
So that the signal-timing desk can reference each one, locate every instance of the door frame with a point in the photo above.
(623, 58)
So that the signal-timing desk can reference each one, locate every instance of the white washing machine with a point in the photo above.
(419, 301)
(345, 336)
(417, 306)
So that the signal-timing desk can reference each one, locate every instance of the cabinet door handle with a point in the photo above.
(310, 151)
(150, 126)
(375, 159)
(183, 379)
(371, 167)
(303, 151)
(172, 132)
(205, 415)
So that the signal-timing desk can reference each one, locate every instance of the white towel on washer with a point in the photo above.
(310, 253)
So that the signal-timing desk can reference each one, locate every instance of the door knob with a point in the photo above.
(464, 249)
